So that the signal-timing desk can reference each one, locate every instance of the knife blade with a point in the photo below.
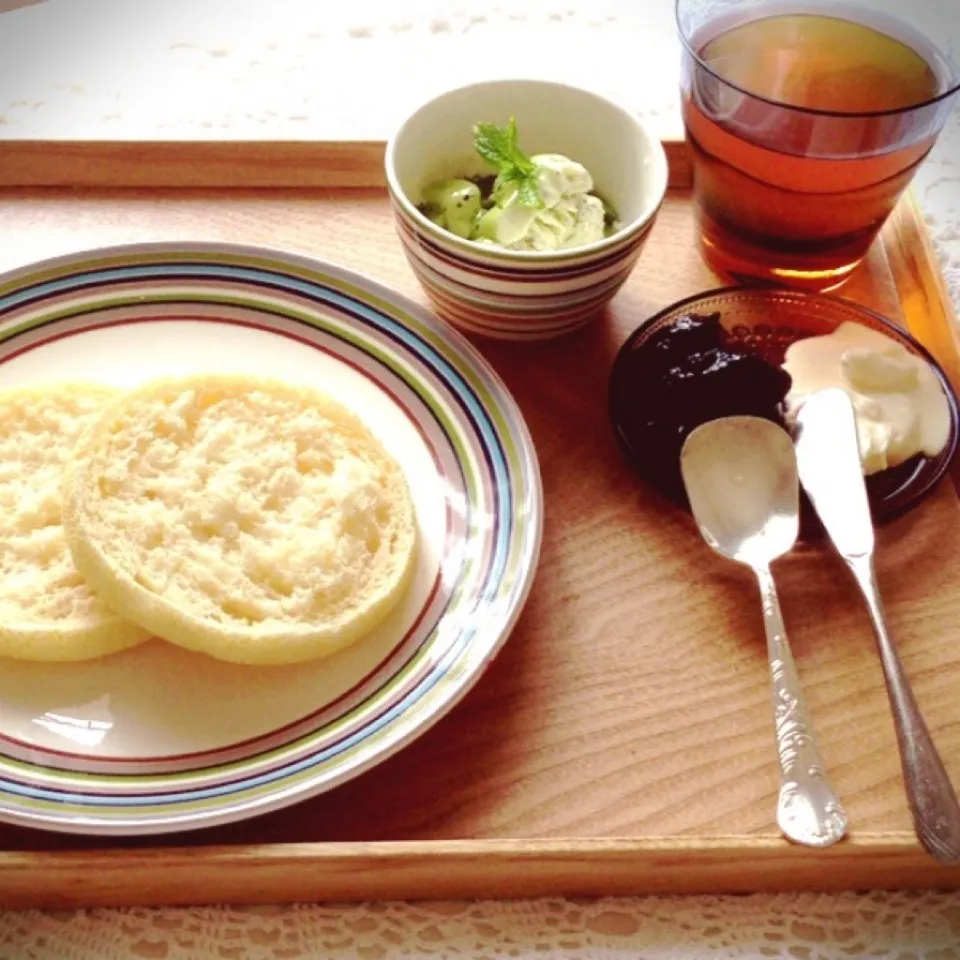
(828, 461)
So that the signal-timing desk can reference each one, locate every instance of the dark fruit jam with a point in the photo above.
(685, 374)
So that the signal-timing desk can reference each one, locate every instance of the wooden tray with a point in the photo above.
(622, 742)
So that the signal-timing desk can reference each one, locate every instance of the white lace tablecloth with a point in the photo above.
(227, 68)
(896, 926)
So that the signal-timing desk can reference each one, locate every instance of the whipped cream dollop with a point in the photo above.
(570, 215)
(900, 405)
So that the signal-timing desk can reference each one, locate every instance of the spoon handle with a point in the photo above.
(808, 810)
(933, 802)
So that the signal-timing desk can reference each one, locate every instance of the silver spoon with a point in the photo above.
(741, 477)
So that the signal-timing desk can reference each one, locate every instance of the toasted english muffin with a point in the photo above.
(47, 610)
(243, 518)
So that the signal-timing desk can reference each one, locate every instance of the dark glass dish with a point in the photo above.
(765, 321)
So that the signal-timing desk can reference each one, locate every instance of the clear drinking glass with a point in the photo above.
(805, 121)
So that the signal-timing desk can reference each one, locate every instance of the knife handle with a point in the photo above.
(808, 810)
(932, 799)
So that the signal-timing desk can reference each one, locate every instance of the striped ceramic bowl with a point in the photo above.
(521, 295)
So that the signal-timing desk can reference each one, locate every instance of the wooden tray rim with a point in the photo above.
(456, 869)
(250, 164)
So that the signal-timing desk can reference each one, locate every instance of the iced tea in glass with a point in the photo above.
(805, 121)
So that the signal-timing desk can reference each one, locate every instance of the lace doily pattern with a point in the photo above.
(899, 926)
(307, 68)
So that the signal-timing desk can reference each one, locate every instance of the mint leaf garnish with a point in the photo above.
(498, 146)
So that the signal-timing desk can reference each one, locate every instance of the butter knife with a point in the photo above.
(830, 471)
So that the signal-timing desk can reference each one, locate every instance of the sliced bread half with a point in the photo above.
(250, 520)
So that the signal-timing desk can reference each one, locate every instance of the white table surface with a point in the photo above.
(241, 68)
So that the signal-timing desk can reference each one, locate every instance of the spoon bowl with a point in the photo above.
(741, 478)
(742, 481)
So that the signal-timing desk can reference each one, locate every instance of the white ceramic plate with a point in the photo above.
(159, 739)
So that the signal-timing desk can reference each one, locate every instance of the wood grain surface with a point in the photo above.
(622, 741)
